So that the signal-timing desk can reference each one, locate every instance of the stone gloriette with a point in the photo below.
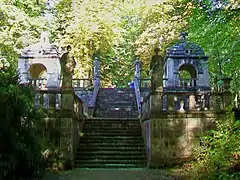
(40, 60)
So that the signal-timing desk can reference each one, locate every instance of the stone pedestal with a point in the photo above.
(156, 103)
(67, 113)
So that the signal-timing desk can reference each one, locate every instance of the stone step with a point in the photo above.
(116, 94)
(114, 166)
(107, 144)
(115, 102)
(109, 157)
(120, 101)
(114, 134)
(111, 138)
(109, 153)
(110, 148)
(117, 108)
(119, 90)
(109, 161)
(106, 125)
(111, 130)
(113, 120)
(115, 113)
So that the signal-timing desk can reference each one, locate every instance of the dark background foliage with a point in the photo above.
(20, 155)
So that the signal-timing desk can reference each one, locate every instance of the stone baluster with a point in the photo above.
(165, 102)
(192, 102)
(186, 102)
(45, 101)
(58, 101)
(176, 103)
(78, 83)
(37, 100)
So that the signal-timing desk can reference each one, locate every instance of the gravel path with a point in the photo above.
(110, 174)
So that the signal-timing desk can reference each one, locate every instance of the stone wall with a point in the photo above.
(170, 139)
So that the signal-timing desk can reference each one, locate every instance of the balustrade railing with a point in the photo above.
(48, 98)
(38, 82)
(188, 82)
(51, 99)
(82, 83)
(137, 85)
(187, 101)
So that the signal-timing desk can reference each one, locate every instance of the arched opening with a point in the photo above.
(187, 75)
(38, 71)
(38, 74)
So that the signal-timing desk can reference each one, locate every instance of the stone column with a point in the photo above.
(67, 107)
(66, 144)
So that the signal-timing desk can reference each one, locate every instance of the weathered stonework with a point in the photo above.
(66, 138)
(170, 138)
(183, 107)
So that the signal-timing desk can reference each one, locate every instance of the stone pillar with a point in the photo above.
(67, 107)
(66, 144)
(156, 103)
(227, 96)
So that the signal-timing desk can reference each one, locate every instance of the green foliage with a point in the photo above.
(21, 23)
(217, 32)
(20, 154)
(118, 31)
(218, 156)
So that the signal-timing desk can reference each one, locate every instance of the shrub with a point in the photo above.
(218, 156)
(20, 154)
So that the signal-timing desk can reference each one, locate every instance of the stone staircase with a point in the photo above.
(116, 103)
(113, 138)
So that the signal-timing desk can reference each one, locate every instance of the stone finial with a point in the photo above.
(44, 38)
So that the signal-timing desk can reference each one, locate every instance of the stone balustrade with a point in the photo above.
(189, 101)
(82, 83)
(48, 98)
(171, 120)
(187, 82)
(38, 82)
(41, 83)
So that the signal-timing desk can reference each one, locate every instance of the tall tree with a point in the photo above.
(215, 27)
(21, 23)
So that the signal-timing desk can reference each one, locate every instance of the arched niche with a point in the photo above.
(37, 70)
(187, 75)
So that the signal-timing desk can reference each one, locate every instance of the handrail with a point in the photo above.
(137, 85)
(137, 94)
(189, 101)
